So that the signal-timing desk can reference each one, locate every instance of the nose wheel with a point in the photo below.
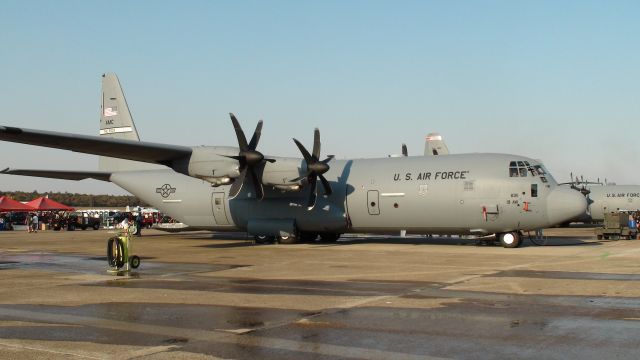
(510, 240)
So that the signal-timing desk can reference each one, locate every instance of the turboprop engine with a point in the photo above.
(212, 164)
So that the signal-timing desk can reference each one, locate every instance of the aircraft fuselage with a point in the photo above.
(457, 194)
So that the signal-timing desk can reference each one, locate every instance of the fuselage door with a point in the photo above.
(219, 211)
(373, 202)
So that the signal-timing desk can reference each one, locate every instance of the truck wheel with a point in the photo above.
(83, 227)
(134, 261)
(509, 240)
(96, 226)
(599, 237)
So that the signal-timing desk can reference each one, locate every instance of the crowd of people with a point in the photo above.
(71, 220)
(33, 221)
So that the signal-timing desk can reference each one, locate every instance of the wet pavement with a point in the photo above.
(201, 295)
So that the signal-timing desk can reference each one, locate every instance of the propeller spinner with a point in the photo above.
(249, 159)
(315, 168)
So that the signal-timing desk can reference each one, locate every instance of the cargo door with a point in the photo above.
(373, 202)
(219, 208)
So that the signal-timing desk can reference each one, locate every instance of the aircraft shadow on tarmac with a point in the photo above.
(549, 241)
(411, 240)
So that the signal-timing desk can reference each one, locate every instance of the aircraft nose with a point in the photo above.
(564, 204)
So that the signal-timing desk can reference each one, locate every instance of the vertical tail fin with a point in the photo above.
(115, 118)
(434, 145)
(116, 122)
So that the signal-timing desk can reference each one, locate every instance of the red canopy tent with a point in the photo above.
(8, 204)
(46, 204)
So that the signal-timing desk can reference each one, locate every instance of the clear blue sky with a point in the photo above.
(553, 80)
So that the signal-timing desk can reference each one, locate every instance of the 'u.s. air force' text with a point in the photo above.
(438, 175)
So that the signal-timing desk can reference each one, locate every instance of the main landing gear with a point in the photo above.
(299, 237)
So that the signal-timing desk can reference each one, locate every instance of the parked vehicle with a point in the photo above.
(83, 221)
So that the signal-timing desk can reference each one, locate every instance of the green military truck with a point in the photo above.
(617, 225)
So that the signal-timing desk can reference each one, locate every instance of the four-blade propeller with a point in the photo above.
(315, 168)
(249, 159)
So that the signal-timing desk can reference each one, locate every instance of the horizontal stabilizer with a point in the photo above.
(60, 174)
(119, 148)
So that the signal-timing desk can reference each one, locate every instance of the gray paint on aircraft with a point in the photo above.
(455, 194)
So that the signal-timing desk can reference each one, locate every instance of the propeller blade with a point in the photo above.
(256, 136)
(302, 177)
(257, 184)
(313, 194)
(242, 140)
(326, 185)
(237, 184)
(235, 157)
(316, 144)
(405, 152)
(329, 158)
(305, 153)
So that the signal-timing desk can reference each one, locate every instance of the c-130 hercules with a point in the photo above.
(292, 199)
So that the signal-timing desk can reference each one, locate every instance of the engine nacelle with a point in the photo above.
(280, 174)
(212, 164)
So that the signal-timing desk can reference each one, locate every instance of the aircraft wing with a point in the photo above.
(56, 174)
(119, 148)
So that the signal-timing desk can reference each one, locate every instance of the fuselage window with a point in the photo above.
(534, 190)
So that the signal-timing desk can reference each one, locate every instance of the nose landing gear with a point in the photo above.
(510, 239)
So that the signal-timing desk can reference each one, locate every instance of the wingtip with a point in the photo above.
(4, 170)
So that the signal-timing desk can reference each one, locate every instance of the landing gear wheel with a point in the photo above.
(288, 239)
(329, 237)
(308, 236)
(134, 261)
(264, 239)
(510, 239)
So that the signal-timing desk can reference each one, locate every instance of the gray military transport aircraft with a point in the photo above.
(605, 197)
(276, 198)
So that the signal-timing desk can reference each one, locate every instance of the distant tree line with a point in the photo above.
(78, 200)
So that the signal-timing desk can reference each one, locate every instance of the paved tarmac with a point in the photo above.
(202, 295)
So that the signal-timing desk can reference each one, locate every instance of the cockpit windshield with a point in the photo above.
(525, 168)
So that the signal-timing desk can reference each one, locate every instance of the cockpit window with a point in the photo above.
(539, 170)
(535, 170)
(518, 169)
